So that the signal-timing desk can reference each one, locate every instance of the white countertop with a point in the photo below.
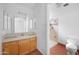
(18, 38)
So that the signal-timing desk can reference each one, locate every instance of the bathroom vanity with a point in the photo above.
(19, 45)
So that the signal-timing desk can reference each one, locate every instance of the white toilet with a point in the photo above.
(71, 48)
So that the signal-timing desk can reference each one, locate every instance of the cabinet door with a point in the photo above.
(24, 46)
(10, 48)
(33, 43)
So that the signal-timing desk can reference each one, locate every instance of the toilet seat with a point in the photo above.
(71, 48)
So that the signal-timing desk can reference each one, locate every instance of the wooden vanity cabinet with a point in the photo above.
(10, 48)
(24, 46)
(33, 43)
(20, 47)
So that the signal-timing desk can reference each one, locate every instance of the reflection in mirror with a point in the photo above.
(19, 24)
(23, 24)
(7, 24)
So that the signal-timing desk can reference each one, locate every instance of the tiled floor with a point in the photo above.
(58, 49)
(35, 52)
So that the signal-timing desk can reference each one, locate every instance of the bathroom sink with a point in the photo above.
(9, 36)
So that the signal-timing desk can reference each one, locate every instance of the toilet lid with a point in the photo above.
(71, 46)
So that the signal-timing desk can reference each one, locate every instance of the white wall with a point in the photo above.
(69, 22)
(1, 26)
(40, 14)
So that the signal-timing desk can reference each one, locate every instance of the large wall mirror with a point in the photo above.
(7, 23)
(18, 24)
